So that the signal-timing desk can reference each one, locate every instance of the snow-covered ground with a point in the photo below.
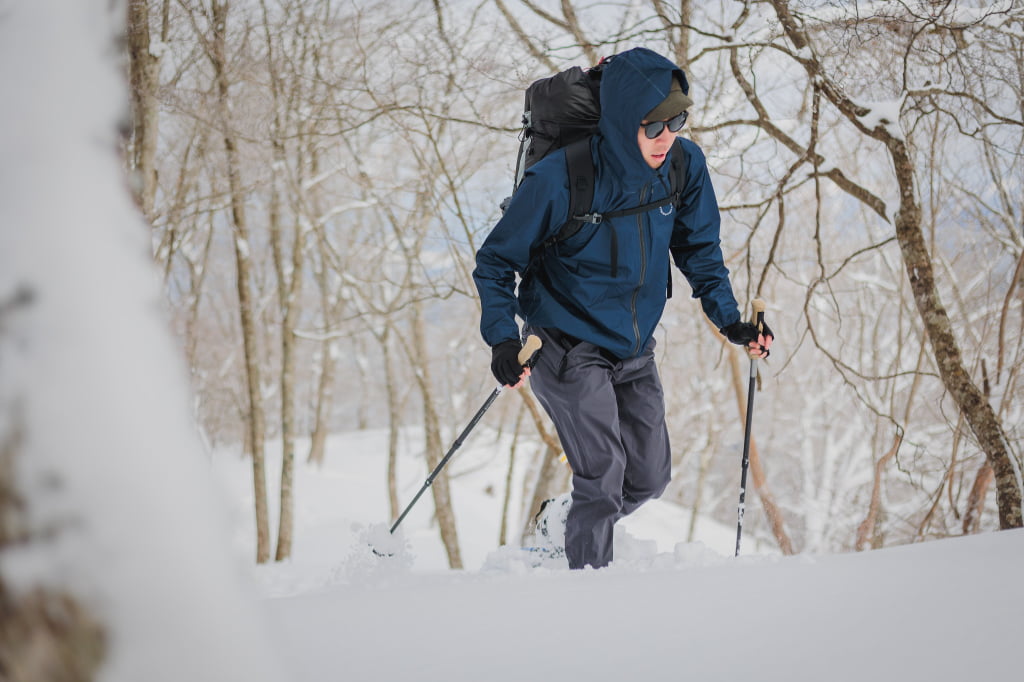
(945, 610)
(342, 504)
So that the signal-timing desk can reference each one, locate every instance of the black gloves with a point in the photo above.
(505, 365)
(742, 333)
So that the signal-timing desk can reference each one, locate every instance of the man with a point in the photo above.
(596, 298)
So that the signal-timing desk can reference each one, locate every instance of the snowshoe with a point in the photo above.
(549, 527)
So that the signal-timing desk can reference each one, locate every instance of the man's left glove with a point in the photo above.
(505, 365)
(744, 333)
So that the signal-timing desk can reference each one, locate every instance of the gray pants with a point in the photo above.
(610, 417)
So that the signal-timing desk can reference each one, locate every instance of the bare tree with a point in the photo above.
(984, 422)
(217, 54)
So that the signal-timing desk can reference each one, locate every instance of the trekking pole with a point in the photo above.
(758, 306)
(531, 346)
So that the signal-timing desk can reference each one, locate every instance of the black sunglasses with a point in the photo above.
(675, 124)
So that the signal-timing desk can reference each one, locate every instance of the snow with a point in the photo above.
(885, 115)
(903, 613)
(665, 609)
(342, 506)
(154, 534)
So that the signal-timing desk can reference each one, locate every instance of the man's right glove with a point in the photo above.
(505, 365)
(744, 333)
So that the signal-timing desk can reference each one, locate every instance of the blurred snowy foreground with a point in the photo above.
(665, 610)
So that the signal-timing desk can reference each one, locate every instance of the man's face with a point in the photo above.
(655, 150)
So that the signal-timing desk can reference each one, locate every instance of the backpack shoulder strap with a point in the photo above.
(581, 186)
(677, 181)
(677, 171)
(580, 165)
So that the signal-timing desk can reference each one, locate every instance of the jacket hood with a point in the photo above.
(632, 83)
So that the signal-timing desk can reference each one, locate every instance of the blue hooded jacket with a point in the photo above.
(572, 285)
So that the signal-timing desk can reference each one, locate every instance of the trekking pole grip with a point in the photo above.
(758, 306)
(532, 345)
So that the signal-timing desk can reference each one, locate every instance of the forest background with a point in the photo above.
(319, 174)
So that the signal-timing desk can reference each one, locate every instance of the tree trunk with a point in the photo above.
(328, 358)
(506, 498)
(286, 525)
(256, 419)
(325, 384)
(289, 288)
(976, 499)
(394, 420)
(677, 30)
(866, 529)
(978, 412)
(704, 464)
(422, 359)
(324, 402)
(144, 73)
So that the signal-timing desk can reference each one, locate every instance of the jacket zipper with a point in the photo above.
(643, 271)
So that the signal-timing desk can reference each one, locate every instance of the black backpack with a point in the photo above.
(563, 111)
